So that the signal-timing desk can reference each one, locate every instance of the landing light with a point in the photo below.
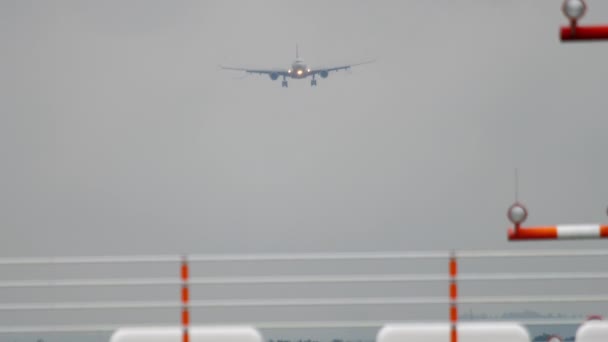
(308, 70)
(289, 71)
(299, 72)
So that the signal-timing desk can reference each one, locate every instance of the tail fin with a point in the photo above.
(297, 53)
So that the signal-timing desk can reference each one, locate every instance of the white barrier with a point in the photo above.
(467, 332)
(197, 334)
(592, 331)
(185, 302)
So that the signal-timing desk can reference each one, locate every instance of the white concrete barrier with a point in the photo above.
(592, 331)
(197, 334)
(467, 332)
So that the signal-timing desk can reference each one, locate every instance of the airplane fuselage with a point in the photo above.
(298, 69)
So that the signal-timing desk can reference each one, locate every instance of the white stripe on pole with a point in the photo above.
(579, 231)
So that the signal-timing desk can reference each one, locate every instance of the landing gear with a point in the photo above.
(313, 82)
(284, 83)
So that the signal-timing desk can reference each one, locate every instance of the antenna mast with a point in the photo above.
(516, 185)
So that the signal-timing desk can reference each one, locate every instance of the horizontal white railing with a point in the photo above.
(301, 257)
(293, 279)
(310, 279)
(261, 325)
(350, 301)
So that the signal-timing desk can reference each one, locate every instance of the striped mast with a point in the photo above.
(185, 296)
(453, 266)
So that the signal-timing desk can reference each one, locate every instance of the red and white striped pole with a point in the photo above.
(560, 232)
(185, 292)
(517, 214)
(453, 297)
(575, 10)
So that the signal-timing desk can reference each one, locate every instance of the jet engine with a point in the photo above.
(324, 74)
(274, 76)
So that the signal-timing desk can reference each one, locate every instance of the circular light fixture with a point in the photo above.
(517, 213)
(574, 9)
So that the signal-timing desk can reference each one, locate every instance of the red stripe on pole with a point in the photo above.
(453, 291)
(184, 271)
(453, 314)
(604, 231)
(185, 294)
(186, 336)
(535, 233)
(454, 334)
(597, 32)
(453, 267)
(185, 318)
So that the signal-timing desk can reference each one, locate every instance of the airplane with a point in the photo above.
(298, 70)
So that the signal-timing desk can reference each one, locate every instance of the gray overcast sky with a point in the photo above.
(120, 135)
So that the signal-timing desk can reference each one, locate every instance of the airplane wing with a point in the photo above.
(277, 72)
(337, 68)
